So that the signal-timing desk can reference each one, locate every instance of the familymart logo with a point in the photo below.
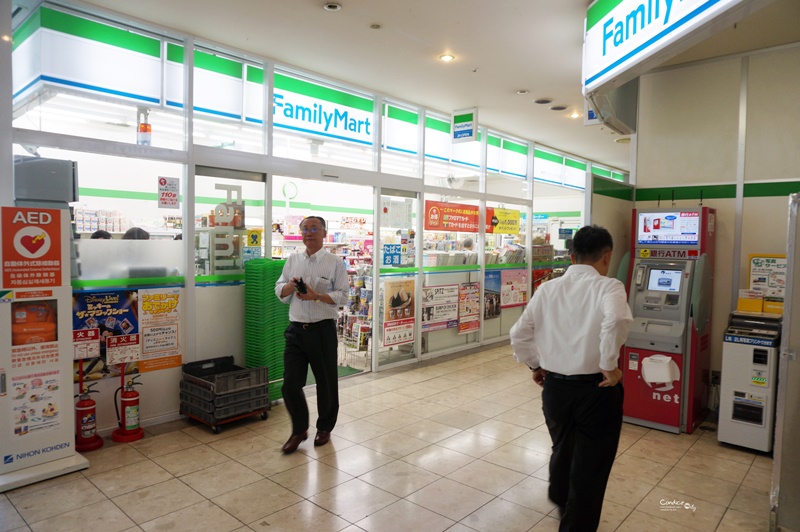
(674, 505)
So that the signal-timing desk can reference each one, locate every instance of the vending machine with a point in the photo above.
(665, 361)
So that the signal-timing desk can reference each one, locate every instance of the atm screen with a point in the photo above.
(669, 228)
(665, 280)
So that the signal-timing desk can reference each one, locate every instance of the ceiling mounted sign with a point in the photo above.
(465, 125)
(625, 38)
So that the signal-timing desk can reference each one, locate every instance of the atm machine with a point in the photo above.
(665, 361)
(749, 380)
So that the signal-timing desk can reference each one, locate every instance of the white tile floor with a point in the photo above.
(456, 445)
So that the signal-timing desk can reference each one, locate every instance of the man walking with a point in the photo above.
(314, 284)
(570, 335)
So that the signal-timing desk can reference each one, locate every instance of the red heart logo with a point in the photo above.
(32, 243)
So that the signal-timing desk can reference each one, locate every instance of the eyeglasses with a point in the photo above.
(311, 230)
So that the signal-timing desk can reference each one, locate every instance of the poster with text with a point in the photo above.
(398, 308)
(491, 295)
(439, 307)
(514, 288)
(469, 308)
(159, 323)
(115, 313)
(35, 402)
(31, 247)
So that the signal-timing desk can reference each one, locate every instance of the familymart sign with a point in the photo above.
(623, 34)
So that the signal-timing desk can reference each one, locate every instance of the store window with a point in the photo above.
(400, 155)
(228, 101)
(321, 122)
(451, 260)
(507, 277)
(397, 306)
(448, 165)
(84, 76)
(557, 214)
(507, 166)
(607, 173)
(229, 223)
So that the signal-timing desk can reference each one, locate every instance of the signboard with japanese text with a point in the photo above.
(465, 125)
(169, 193)
(513, 288)
(444, 216)
(469, 309)
(768, 276)
(439, 307)
(398, 305)
(31, 247)
(159, 322)
(113, 313)
(502, 221)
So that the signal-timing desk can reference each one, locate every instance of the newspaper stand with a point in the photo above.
(215, 392)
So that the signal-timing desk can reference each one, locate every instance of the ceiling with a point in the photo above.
(500, 47)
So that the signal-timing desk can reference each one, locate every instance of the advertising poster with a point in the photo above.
(31, 247)
(502, 221)
(86, 344)
(398, 306)
(439, 307)
(491, 295)
(114, 314)
(35, 402)
(159, 319)
(514, 288)
(469, 308)
(441, 216)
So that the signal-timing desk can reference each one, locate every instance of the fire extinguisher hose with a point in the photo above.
(116, 407)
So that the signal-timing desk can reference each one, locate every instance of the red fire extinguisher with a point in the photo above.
(129, 429)
(86, 438)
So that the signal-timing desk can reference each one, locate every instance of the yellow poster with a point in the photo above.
(507, 222)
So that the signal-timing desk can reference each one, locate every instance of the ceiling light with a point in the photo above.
(575, 114)
(446, 57)
(331, 6)
(6, 38)
(559, 108)
(543, 101)
(523, 91)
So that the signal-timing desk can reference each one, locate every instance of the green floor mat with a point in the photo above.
(343, 371)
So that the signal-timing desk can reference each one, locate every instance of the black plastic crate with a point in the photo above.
(220, 415)
(222, 376)
(208, 402)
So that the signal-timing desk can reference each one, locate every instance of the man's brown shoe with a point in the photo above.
(322, 438)
(293, 442)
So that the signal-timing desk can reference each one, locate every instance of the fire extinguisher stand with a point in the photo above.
(86, 437)
(129, 395)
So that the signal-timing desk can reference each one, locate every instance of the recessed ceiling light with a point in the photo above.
(331, 6)
(523, 91)
(543, 101)
(446, 57)
(375, 26)
(575, 114)
(6, 38)
(559, 108)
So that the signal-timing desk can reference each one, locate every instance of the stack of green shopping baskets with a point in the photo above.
(265, 320)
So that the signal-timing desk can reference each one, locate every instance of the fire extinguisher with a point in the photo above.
(86, 438)
(129, 429)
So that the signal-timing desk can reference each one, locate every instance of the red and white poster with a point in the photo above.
(442, 216)
(168, 193)
(439, 307)
(31, 247)
(469, 308)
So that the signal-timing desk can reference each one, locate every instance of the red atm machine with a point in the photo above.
(665, 362)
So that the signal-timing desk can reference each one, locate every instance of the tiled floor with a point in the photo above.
(457, 445)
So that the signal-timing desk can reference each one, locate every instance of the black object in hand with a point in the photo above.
(301, 286)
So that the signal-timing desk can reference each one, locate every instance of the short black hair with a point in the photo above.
(590, 243)
(136, 233)
(320, 218)
(101, 234)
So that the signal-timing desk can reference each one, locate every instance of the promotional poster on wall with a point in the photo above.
(469, 308)
(398, 318)
(491, 295)
(439, 307)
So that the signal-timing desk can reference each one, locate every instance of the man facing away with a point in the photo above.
(570, 335)
(314, 284)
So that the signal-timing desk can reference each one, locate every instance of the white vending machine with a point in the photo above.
(749, 380)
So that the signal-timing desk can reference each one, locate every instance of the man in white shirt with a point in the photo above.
(314, 284)
(570, 335)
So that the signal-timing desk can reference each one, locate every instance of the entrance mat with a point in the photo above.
(343, 371)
